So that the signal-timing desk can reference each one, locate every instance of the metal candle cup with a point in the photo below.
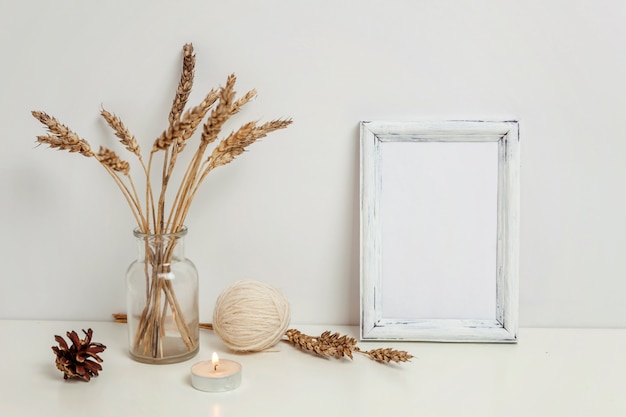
(217, 375)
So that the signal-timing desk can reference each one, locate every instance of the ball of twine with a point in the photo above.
(251, 316)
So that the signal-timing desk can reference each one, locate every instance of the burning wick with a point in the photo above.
(215, 361)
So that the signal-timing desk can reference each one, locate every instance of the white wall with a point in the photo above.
(287, 211)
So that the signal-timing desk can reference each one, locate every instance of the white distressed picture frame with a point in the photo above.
(500, 139)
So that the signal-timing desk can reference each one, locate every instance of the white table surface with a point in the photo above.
(550, 372)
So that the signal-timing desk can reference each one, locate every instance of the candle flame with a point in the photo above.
(215, 360)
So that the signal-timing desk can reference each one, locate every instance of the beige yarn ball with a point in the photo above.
(251, 316)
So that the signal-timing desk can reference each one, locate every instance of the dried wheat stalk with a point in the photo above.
(185, 84)
(386, 355)
(337, 346)
(150, 210)
(126, 138)
(61, 137)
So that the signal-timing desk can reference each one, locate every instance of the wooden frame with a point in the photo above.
(381, 140)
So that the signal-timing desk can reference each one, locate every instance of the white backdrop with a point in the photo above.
(287, 211)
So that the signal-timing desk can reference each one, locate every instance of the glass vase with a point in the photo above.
(162, 300)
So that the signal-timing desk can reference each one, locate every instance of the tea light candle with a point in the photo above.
(216, 375)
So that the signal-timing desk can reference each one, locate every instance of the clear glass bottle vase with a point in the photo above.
(162, 300)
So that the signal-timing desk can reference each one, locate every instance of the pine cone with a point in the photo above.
(76, 361)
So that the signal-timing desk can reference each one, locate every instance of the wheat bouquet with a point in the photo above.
(157, 211)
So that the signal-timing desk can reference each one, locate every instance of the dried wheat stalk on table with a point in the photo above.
(335, 345)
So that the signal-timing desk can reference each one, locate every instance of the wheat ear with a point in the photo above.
(386, 355)
(62, 138)
(184, 85)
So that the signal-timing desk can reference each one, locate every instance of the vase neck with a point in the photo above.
(160, 247)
